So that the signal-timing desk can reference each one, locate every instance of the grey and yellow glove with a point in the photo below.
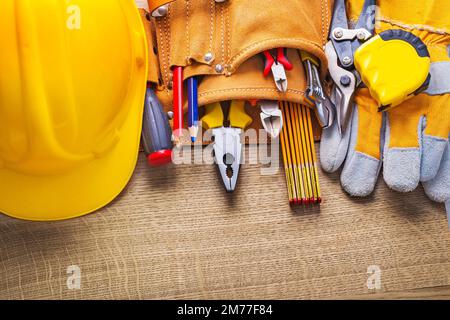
(410, 141)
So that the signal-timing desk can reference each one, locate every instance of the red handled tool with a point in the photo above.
(276, 61)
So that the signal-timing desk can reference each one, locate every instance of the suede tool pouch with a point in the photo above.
(222, 42)
(153, 69)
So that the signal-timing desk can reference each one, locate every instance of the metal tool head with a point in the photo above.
(347, 40)
(271, 117)
(228, 154)
(279, 76)
(367, 17)
(339, 21)
(344, 106)
(325, 112)
(309, 91)
(324, 108)
(345, 86)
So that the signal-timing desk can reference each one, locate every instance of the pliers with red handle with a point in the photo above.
(276, 61)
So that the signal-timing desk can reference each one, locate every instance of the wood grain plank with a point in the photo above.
(200, 242)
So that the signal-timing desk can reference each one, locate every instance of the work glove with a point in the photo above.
(410, 141)
(438, 188)
(222, 42)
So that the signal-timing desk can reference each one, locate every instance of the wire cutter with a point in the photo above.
(227, 140)
(276, 61)
(271, 117)
(340, 50)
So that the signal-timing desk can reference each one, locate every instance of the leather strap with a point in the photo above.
(155, 4)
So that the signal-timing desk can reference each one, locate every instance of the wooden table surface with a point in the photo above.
(174, 233)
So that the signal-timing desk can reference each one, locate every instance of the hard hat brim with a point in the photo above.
(81, 191)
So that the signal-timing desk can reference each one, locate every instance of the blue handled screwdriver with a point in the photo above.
(156, 132)
(193, 120)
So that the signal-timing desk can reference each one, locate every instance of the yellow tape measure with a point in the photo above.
(394, 65)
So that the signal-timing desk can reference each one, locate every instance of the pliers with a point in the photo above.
(315, 93)
(227, 140)
(340, 50)
(276, 61)
(271, 117)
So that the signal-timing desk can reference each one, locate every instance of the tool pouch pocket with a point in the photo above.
(154, 75)
(222, 42)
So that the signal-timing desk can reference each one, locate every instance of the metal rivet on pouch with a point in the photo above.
(170, 115)
(208, 57)
(160, 12)
(163, 11)
(219, 68)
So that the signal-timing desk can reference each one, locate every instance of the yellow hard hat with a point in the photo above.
(72, 86)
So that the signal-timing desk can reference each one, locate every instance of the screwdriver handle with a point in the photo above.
(156, 132)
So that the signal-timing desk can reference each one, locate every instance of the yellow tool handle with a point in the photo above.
(306, 56)
(213, 117)
(237, 116)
